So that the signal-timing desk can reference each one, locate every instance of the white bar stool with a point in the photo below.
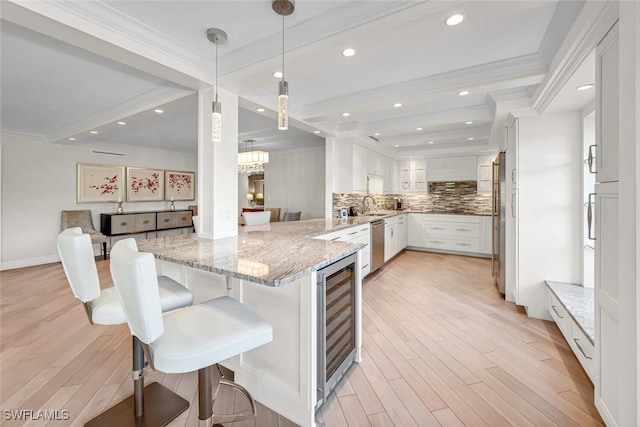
(191, 338)
(103, 308)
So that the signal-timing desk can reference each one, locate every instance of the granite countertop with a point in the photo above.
(272, 254)
(579, 303)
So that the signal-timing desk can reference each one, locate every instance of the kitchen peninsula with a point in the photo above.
(273, 269)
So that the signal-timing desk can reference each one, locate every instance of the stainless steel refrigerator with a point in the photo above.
(499, 221)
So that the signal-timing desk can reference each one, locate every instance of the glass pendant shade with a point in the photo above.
(216, 122)
(283, 106)
(253, 157)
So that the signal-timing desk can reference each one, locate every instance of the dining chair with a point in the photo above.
(190, 339)
(292, 216)
(82, 219)
(275, 214)
(103, 307)
(256, 218)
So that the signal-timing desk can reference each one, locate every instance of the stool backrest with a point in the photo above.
(135, 279)
(76, 253)
(256, 218)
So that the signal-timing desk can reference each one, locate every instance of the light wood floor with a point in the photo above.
(440, 348)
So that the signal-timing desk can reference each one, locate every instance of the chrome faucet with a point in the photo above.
(364, 204)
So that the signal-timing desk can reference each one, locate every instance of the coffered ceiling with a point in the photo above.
(87, 65)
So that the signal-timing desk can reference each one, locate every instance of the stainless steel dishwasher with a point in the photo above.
(377, 244)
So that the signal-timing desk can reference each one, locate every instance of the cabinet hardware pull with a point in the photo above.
(166, 220)
(365, 266)
(513, 208)
(462, 229)
(591, 158)
(364, 229)
(463, 244)
(577, 341)
(437, 228)
(590, 216)
(123, 224)
(351, 234)
(556, 310)
(335, 238)
(145, 222)
(436, 241)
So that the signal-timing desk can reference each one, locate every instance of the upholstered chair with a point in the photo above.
(103, 308)
(292, 216)
(82, 219)
(256, 218)
(189, 339)
(275, 214)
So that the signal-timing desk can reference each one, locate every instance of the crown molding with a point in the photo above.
(593, 22)
(18, 134)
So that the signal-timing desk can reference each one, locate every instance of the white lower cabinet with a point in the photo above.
(395, 235)
(357, 234)
(447, 233)
(582, 347)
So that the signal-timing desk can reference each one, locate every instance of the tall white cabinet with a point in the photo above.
(607, 340)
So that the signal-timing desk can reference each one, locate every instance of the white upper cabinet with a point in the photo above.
(607, 57)
(359, 171)
(485, 173)
(413, 176)
(461, 168)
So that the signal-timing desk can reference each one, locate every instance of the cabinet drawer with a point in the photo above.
(182, 219)
(122, 224)
(145, 222)
(452, 229)
(560, 315)
(365, 268)
(452, 244)
(166, 220)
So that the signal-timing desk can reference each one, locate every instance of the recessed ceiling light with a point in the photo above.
(159, 111)
(94, 132)
(345, 114)
(260, 110)
(376, 134)
(470, 138)
(348, 52)
(585, 87)
(430, 142)
(454, 20)
(277, 74)
(418, 128)
(463, 92)
(72, 139)
(396, 145)
(316, 131)
(122, 123)
(397, 105)
(470, 122)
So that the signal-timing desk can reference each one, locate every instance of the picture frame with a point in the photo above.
(179, 185)
(145, 184)
(100, 183)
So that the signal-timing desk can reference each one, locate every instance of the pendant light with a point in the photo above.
(217, 37)
(283, 8)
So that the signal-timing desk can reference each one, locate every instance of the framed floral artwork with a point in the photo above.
(179, 185)
(144, 185)
(99, 183)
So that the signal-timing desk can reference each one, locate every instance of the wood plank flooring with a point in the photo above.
(440, 348)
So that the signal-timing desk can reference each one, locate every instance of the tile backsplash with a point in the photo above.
(460, 197)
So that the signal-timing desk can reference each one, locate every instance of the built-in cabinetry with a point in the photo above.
(395, 235)
(368, 163)
(606, 215)
(581, 345)
(485, 174)
(460, 168)
(357, 234)
(413, 176)
(450, 233)
(113, 224)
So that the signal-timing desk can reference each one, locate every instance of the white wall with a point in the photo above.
(550, 205)
(39, 181)
(295, 181)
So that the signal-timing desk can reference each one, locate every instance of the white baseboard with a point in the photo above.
(29, 262)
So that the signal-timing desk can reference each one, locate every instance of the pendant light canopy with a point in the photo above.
(283, 8)
(217, 37)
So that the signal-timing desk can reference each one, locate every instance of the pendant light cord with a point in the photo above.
(216, 68)
(283, 47)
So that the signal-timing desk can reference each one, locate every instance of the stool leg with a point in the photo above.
(205, 396)
(104, 250)
(138, 377)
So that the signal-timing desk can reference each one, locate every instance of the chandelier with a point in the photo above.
(252, 161)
